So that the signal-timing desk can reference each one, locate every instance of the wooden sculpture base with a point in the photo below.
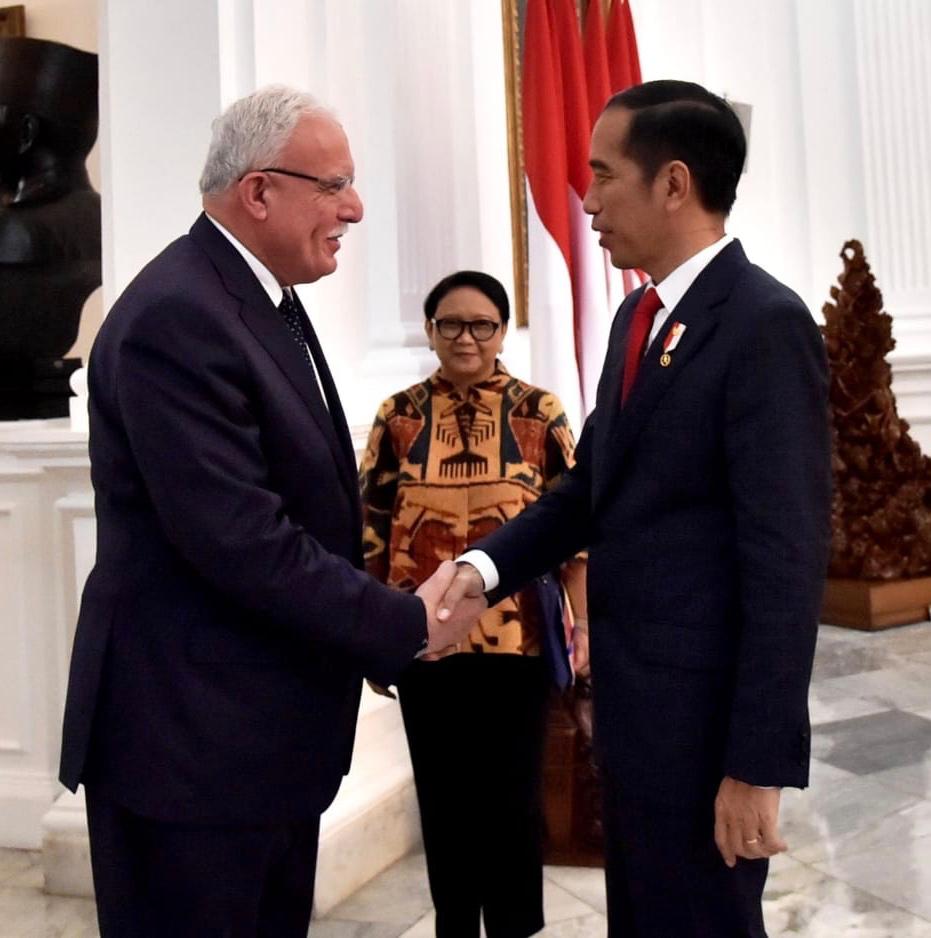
(876, 604)
(571, 794)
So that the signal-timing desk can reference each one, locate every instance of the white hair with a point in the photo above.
(252, 132)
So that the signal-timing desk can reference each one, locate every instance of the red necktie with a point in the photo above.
(637, 335)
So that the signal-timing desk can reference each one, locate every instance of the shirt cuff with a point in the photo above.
(485, 566)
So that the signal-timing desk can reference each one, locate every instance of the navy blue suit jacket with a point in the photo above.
(704, 503)
(227, 623)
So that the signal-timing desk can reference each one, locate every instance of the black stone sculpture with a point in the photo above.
(49, 219)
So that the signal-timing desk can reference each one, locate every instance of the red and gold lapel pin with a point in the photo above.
(673, 337)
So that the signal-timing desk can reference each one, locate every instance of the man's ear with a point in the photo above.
(28, 132)
(253, 195)
(428, 329)
(677, 184)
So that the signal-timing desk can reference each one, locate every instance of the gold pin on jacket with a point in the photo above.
(673, 337)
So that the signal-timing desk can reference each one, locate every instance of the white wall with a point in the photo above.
(839, 148)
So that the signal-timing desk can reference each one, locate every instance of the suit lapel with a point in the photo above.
(264, 322)
(699, 310)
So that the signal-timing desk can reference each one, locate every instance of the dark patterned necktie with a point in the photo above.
(292, 318)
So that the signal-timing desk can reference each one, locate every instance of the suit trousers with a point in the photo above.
(665, 877)
(475, 725)
(154, 879)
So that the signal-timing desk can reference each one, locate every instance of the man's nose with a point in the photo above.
(351, 210)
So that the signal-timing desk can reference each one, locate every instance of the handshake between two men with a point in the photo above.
(454, 598)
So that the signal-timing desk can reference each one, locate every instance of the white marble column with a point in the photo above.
(894, 109)
(841, 138)
(419, 86)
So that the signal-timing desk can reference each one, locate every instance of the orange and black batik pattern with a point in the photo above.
(441, 471)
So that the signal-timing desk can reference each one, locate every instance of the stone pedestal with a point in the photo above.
(46, 548)
(65, 851)
(35, 389)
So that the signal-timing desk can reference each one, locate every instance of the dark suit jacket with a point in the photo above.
(705, 507)
(226, 625)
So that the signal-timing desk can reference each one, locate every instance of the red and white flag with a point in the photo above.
(590, 300)
(623, 59)
(624, 67)
(597, 67)
(573, 290)
(598, 75)
(549, 240)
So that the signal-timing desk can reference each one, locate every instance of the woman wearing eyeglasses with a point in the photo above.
(449, 460)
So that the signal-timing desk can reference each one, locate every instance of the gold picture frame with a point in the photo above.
(512, 12)
(13, 21)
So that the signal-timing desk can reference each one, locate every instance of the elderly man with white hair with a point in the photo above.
(227, 624)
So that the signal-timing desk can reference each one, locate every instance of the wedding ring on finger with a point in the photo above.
(752, 840)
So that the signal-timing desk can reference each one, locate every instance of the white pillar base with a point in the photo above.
(354, 852)
(66, 855)
(351, 853)
(24, 799)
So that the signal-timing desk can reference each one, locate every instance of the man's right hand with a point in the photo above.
(449, 621)
(465, 585)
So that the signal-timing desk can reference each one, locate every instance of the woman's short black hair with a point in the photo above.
(680, 120)
(484, 283)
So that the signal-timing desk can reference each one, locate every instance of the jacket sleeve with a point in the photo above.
(778, 472)
(189, 411)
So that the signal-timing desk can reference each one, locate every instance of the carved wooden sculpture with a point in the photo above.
(881, 513)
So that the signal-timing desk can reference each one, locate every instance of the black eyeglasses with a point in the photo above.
(480, 329)
(330, 186)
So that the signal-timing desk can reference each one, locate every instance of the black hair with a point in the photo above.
(680, 120)
(484, 283)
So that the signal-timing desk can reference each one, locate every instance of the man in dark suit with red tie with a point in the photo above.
(702, 491)
(227, 624)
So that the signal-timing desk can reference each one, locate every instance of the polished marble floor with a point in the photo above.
(859, 864)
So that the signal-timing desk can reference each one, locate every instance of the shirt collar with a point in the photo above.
(265, 277)
(676, 285)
